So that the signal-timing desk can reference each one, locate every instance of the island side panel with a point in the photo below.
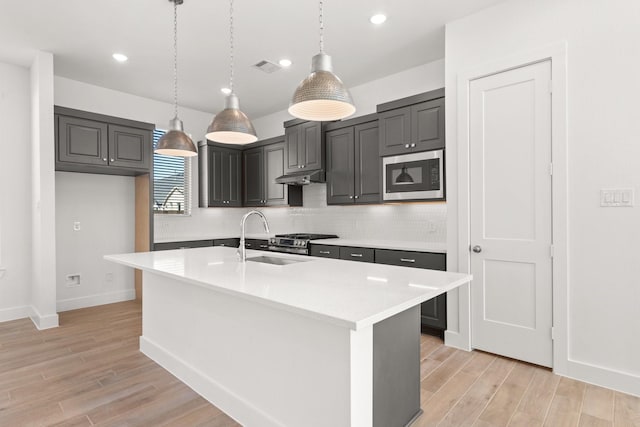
(262, 366)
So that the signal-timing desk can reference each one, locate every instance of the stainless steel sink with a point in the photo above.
(275, 260)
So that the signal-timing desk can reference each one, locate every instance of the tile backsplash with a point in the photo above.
(424, 222)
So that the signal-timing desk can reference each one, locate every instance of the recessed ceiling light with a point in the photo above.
(120, 57)
(378, 19)
(285, 63)
(225, 90)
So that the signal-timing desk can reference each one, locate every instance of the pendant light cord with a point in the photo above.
(175, 58)
(231, 45)
(321, 30)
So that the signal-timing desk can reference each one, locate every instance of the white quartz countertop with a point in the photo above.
(346, 293)
(230, 235)
(399, 245)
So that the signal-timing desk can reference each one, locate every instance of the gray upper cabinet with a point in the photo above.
(262, 165)
(353, 163)
(93, 143)
(304, 146)
(223, 177)
(412, 124)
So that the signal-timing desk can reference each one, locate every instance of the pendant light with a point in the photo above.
(321, 96)
(175, 142)
(231, 125)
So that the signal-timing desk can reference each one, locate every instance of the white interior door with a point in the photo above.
(510, 213)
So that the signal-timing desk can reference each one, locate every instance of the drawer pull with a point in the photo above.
(407, 260)
(357, 255)
(264, 246)
(222, 244)
(325, 252)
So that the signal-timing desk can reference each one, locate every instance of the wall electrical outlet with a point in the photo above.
(616, 197)
(76, 226)
(73, 280)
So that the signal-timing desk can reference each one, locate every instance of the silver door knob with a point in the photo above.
(477, 249)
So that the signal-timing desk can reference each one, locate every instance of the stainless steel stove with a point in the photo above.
(296, 243)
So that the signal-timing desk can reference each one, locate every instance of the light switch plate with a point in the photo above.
(76, 226)
(616, 197)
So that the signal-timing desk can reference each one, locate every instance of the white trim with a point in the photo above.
(557, 53)
(604, 377)
(93, 300)
(15, 313)
(460, 340)
(223, 398)
(43, 322)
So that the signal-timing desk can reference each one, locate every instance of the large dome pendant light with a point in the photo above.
(231, 125)
(175, 142)
(321, 96)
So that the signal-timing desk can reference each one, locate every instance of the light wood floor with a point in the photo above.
(89, 372)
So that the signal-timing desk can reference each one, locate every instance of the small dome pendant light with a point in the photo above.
(231, 125)
(175, 142)
(404, 177)
(321, 96)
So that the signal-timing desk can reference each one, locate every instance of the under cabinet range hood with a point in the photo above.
(301, 178)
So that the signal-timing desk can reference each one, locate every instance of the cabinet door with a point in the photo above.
(324, 251)
(367, 164)
(427, 125)
(253, 177)
(340, 166)
(82, 141)
(233, 177)
(395, 131)
(129, 148)
(310, 152)
(433, 313)
(292, 138)
(274, 158)
(215, 171)
(257, 244)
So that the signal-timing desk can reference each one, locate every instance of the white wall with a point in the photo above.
(15, 192)
(103, 204)
(104, 207)
(415, 222)
(603, 128)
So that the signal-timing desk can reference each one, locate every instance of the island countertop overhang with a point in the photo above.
(345, 293)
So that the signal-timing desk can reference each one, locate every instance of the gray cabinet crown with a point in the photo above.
(406, 128)
(353, 164)
(93, 143)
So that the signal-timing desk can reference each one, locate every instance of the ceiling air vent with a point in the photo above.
(267, 66)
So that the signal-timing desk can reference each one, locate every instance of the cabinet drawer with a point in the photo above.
(325, 251)
(429, 260)
(356, 254)
(258, 244)
(233, 243)
(182, 245)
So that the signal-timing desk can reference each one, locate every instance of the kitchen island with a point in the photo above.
(292, 340)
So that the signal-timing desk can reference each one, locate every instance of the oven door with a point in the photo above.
(415, 176)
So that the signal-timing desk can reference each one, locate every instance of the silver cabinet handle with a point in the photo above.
(264, 246)
(413, 145)
(406, 145)
(357, 255)
(222, 244)
(104, 159)
(325, 252)
(111, 160)
(407, 260)
(351, 197)
(477, 249)
(355, 197)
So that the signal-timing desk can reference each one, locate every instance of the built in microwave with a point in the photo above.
(415, 176)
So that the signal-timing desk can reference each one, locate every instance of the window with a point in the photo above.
(171, 182)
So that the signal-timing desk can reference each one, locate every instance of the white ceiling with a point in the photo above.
(82, 35)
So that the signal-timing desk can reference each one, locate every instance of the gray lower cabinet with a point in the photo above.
(182, 245)
(412, 124)
(94, 143)
(257, 244)
(357, 254)
(232, 242)
(262, 165)
(353, 163)
(433, 313)
(220, 182)
(324, 251)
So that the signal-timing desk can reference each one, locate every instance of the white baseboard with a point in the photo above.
(231, 404)
(15, 313)
(43, 322)
(603, 377)
(457, 340)
(93, 300)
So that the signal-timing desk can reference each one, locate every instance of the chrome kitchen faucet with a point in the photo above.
(242, 251)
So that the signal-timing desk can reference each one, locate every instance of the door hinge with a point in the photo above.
(550, 86)
(551, 169)
(551, 251)
(553, 333)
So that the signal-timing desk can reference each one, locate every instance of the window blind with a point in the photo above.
(171, 179)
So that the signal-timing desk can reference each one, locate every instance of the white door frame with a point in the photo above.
(557, 53)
